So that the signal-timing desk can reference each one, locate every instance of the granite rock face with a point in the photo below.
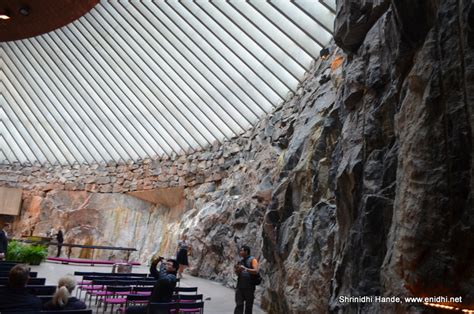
(360, 184)
(107, 219)
(404, 184)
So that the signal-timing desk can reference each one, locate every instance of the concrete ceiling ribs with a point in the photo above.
(139, 79)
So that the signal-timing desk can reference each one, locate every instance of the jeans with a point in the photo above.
(244, 298)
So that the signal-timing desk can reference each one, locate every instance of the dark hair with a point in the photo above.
(175, 263)
(18, 276)
(246, 248)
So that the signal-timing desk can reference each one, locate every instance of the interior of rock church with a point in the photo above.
(241, 156)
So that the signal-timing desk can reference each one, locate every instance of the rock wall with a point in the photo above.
(405, 190)
(360, 184)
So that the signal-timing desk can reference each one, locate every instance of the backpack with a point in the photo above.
(254, 279)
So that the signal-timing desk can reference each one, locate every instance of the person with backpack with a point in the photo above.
(248, 277)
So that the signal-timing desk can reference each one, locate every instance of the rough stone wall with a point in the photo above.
(143, 175)
(404, 184)
(361, 184)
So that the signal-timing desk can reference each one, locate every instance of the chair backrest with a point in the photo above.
(158, 308)
(94, 278)
(93, 273)
(126, 282)
(145, 282)
(68, 312)
(188, 297)
(137, 298)
(186, 289)
(119, 288)
(36, 281)
(98, 278)
(45, 298)
(9, 263)
(143, 289)
(192, 306)
(33, 274)
(40, 289)
(104, 282)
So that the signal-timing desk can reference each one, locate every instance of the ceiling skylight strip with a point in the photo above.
(119, 83)
(180, 109)
(209, 62)
(67, 98)
(254, 52)
(19, 131)
(37, 129)
(284, 59)
(15, 142)
(292, 32)
(111, 95)
(180, 63)
(277, 35)
(44, 71)
(253, 68)
(33, 102)
(319, 13)
(80, 100)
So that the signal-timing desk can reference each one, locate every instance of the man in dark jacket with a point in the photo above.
(164, 286)
(60, 240)
(14, 297)
(4, 241)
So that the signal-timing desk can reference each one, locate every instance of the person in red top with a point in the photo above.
(245, 290)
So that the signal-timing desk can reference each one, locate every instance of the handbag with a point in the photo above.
(255, 279)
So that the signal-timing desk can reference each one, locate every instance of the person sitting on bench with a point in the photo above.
(164, 286)
(62, 299)
(14, 297)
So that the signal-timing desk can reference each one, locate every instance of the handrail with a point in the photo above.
(102, 247)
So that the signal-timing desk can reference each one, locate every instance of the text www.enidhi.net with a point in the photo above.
(393, 299)
(438, 299)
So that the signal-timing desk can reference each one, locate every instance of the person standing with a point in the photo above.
(245, 290)
(60, 240)
(4, 241)
(182, 254)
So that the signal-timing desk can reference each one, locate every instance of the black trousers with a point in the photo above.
(244, 299)
(59, 249)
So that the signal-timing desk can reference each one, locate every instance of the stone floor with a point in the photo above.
(218, 298)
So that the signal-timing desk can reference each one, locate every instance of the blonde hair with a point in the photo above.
(65, 286)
